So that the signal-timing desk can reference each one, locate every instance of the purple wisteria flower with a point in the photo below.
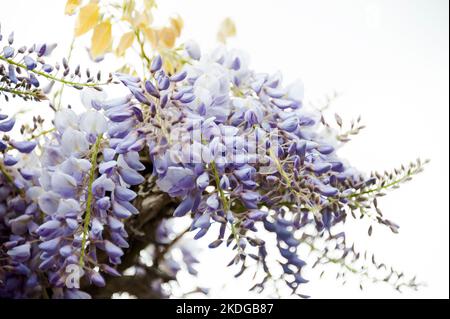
(235, 153)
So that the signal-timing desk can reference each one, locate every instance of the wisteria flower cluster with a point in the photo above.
(235, 151)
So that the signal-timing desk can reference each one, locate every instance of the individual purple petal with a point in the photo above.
(178, 77)
(236, 64)
(120, 211)
(250, 199)
(115, 224)
(187, 98)
(19, 225)
(215, 243)
(101, 185)
(50, 245)
(224, 182)
(7, 125)
(156, 64)
(213, 202)
(202, 232)
(29, 62)
(203, 221)
(12, 73)
(117, 239)
(163, 83)
(133, 160)
(10, 160)
(97, 279)
(48, 227)
(107, 167)
(103, 203)
(203, 181)
(257, 214)
(108, 154)
(151, 89)
(33, 80)
(327, 190)
(8, 52)
(128, 206)
(48, 202)
(20, 253)
(184, 207)
(251, 118)
(282, 103)
(289, 125)
(125, 194)
(63, 184)
(24, 146)
(321, 167)
(47, 68)
(130, 176)
(325, 149)
(139, 95)
(110, 271)
(193, 49)
(112, 250)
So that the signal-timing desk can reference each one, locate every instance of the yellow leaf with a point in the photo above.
(71, 6)
(168, 66)
(167, 36)
(149, 4)
(227, 29)
(87, 18)
(126, 41)
(128, 9)
(101, 39)
(177, 24)
(151, 36)
(142, 20)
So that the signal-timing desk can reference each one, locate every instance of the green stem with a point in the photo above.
(221, 192)
(60, 92)
(378, 189)
(141, 46)
(36, 94)
(87, 216)
(36, 136)
(51, 77)
(223, 198)
(42, 134)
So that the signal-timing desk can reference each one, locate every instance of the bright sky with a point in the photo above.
(388, 59)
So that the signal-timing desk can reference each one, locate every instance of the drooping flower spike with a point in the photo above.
(25, 72)
(239, 152)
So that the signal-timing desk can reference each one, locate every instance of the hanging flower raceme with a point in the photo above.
(19, 218)
(26, 73)
(240, 153)
(241, 150)
(88, 168)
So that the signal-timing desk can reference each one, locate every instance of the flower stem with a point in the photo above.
(221, 192)
(49, 76)
(223, 198)
(389, 185)
(35, 94)
(87, 216)
(61, 90)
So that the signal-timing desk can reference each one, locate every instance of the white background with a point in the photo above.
(389, 59)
